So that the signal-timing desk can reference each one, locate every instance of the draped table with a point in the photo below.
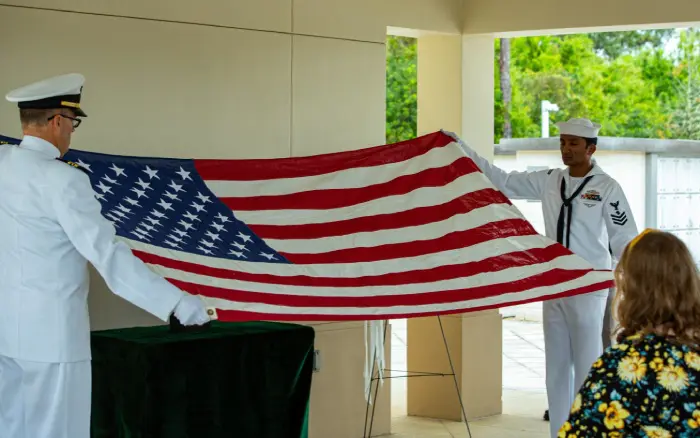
(233, 380)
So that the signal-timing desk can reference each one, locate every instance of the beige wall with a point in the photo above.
(362, 20)
(256, 83)
(183, 90)
(488, 16)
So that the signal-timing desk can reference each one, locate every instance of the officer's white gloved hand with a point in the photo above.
(190, 310)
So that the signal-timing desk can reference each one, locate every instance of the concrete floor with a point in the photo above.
(524, 398)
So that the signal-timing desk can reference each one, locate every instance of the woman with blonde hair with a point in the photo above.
(648, 385)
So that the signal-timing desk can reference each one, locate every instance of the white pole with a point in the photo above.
(547, 106)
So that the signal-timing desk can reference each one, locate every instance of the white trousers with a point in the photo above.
(572, 342)
(44, 400)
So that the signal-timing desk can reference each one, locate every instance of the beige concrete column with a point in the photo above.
(455, 92)
(477, 93)
(338, 405)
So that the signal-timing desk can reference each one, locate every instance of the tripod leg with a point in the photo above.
(369, 398)
(367, 434)
(454, 375)
(376, 389)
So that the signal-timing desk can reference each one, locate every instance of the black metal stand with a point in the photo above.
(368, 432)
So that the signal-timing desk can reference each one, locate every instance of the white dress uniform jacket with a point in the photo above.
(591, 220)
(600, 220)
(50, 227)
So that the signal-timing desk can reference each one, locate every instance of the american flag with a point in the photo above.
(402, 230)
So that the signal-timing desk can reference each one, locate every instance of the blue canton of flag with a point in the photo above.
(164, 202)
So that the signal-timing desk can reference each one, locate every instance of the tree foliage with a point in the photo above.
(615, 44)
(686, 107)
(634, 83)
(568, 71)
(401, 89)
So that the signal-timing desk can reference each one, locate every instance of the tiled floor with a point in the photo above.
(524, 399)
(523, 356)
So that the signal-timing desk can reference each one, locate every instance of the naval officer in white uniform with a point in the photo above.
(50, 228)
(586, 211)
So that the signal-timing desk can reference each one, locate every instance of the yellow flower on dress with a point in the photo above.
(632, 368)
(657, 432)
(564, 429)
(598, 363)
(693, 360)
(694, 422)
(615, 415)
(622, 347)
(657, 364)
(578, 401)
(673, 378)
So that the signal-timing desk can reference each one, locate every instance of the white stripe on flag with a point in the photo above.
(423, 197)
(509, 275)
(591, 278)
(491, 248)
(342, 179)
(435, 230)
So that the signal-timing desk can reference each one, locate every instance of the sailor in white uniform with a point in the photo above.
(586, 211)
(50, 228)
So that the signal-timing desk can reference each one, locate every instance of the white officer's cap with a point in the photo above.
(57, 92)
(579, 128)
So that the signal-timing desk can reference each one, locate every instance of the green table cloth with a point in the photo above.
(234, 380)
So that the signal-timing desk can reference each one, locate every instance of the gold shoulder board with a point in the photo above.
(76, 165)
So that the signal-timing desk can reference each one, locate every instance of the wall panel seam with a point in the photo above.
(291, 86)
(219, 26)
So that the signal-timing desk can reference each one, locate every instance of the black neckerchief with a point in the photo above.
(567, 204)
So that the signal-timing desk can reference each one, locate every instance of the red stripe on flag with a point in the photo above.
(409, 218)
(450, 241)
(447, 272)
(545, 279)
(264, 169)
(240, 316)
(339, 198)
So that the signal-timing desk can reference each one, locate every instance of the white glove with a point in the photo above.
(453, 135)
(190, 310)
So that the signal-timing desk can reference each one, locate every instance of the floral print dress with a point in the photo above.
(642, 387)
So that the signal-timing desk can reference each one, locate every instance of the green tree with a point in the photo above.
(627, 81)
(620, 93)
(633, 107)
(505, 85)
(401, 89)
(686, 116)
(615, 44)
(686, 107)
(659, 70)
